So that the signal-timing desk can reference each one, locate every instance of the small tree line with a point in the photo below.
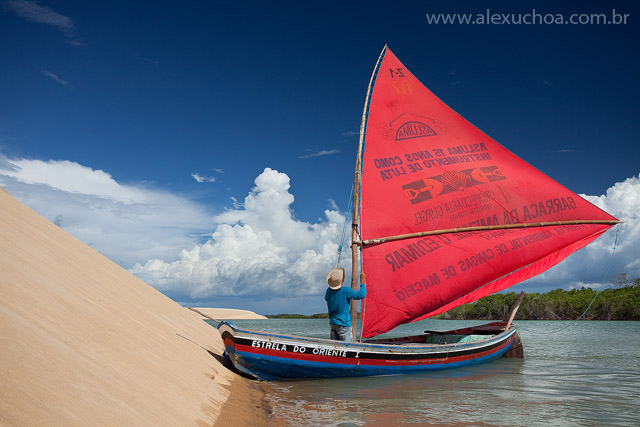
(621, 302)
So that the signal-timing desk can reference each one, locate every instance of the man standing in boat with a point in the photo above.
(339, 302)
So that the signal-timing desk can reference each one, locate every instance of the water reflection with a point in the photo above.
(427, 398)
(586, 375)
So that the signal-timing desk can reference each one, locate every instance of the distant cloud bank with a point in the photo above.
(128, 223)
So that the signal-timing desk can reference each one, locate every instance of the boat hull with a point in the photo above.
(275, 357)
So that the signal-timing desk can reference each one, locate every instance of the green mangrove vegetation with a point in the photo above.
(620, 302)
(610, 304)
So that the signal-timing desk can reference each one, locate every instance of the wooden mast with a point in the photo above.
(355, 222)
(354, 238)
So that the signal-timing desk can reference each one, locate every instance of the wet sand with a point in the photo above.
(84, 342)
(249, 406)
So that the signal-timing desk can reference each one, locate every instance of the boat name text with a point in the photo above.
(269, 345)
(319, 351)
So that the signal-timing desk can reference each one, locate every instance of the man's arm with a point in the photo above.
(362, 293)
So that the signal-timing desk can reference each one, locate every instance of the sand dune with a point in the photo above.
(84, 342)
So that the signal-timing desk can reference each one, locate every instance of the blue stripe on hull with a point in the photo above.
(272, 368)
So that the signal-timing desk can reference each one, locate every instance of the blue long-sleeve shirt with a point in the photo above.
(338, 303)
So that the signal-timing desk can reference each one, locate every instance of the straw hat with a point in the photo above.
(335, 278)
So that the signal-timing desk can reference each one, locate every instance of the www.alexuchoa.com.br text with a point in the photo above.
(531, 18)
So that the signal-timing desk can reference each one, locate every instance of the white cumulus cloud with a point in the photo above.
(598, 264)
(256, 249)
(623, 201)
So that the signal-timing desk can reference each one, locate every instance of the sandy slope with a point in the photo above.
(84, 342)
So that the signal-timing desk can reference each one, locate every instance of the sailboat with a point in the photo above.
(442, 216)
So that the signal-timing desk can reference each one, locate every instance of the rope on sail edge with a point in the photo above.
(615, 244)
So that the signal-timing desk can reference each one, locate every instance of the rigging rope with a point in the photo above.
(615, 243)
(345, 227)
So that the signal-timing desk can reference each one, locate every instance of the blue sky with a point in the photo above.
(143, 128)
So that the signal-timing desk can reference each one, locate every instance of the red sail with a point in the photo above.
(425, 168)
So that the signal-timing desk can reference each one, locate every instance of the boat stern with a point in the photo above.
(516, 350)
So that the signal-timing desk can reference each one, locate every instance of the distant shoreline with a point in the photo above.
(609, 304)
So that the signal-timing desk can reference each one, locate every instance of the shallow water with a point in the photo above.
(573, 374)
